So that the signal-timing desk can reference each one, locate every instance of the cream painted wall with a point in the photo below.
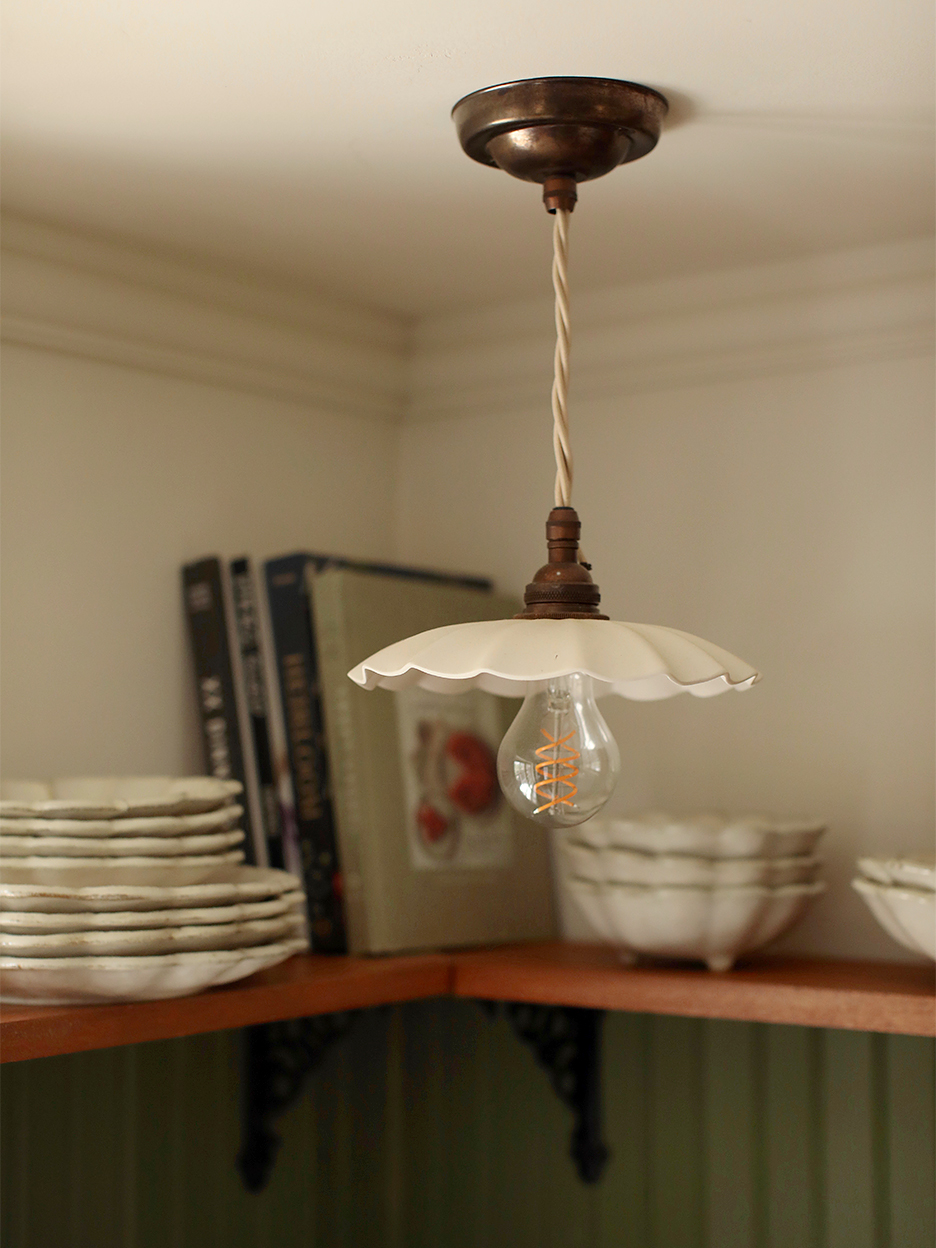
(112, 477)
(755, 464)
(789, 518)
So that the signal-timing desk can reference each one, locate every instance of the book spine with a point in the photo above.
(279, 746)
(297, 675)
(265, 806)
(347, 780)
(205, 608)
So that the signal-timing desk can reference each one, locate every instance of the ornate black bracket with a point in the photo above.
(567, 1041)
(277, 1058)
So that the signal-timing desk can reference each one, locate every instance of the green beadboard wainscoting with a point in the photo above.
(431, 1126)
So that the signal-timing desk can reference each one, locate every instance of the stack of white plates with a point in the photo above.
(705, 887)
(84, 934)
(120, 821)
(901, 894)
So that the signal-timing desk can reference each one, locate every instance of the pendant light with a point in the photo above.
(558, 761)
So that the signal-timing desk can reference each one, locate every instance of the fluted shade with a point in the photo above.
(645, 662)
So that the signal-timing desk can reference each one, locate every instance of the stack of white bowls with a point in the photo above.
(901, 894)
(121, 821)
(706, 887)
(133, 889)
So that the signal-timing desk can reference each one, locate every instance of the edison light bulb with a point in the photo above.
(558, 762)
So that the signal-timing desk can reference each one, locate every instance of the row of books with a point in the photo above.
(385, 804)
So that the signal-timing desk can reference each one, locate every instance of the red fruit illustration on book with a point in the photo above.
(475, 787)
(457, 773)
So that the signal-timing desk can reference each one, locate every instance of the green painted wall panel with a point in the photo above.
(622, 1200)
(848, 1143)
(432, 1126)
(731, 1096)
(792, 1126)
(909, 1100)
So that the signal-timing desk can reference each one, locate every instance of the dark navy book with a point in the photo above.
(290, 614)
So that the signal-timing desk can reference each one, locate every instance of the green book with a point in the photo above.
(431, 853)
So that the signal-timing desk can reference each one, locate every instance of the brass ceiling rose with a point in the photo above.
(560, 130)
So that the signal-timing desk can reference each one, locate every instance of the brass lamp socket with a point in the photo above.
(562, 589)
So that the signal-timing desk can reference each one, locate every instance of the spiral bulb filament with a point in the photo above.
(567, 779)
(555, 764)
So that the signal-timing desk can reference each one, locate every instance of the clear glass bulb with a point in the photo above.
(558, 762)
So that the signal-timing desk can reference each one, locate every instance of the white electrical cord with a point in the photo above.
(560, 390)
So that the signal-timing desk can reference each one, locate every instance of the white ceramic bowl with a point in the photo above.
(711, 925)
(706, 835)
(917, 872)
(907, 914)
(627, 866)
(162, 887)
(80, 981)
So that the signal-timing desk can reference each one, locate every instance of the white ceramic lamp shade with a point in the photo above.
(644, 662)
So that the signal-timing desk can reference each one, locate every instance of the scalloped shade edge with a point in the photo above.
(512, 658)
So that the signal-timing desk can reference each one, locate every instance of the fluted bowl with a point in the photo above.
(715, 925)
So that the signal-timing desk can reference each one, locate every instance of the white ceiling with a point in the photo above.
(313, 140)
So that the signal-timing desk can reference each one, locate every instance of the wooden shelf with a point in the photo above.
(305, 985)
(816, 992)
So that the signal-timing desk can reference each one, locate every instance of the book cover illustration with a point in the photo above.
(455, 814)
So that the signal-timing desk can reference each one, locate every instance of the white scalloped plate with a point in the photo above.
(157, 887)
(38, 923)
(148, 941)
(156, 825)
(118, 847)
(104, 797)
(83, 981)
(137, 861)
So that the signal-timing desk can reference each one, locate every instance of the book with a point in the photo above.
(292, 630)
(279, 746)
(223, 717)
(265, 800)
(433, 855)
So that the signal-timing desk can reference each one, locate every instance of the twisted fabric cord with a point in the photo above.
(560, 390)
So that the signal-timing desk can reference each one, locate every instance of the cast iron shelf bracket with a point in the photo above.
(567, 1041)
(277, 1058)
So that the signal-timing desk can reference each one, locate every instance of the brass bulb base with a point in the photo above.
(562, 589)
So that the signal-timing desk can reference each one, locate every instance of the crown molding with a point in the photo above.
(67, 292)
(866, 304)
(89, 297)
